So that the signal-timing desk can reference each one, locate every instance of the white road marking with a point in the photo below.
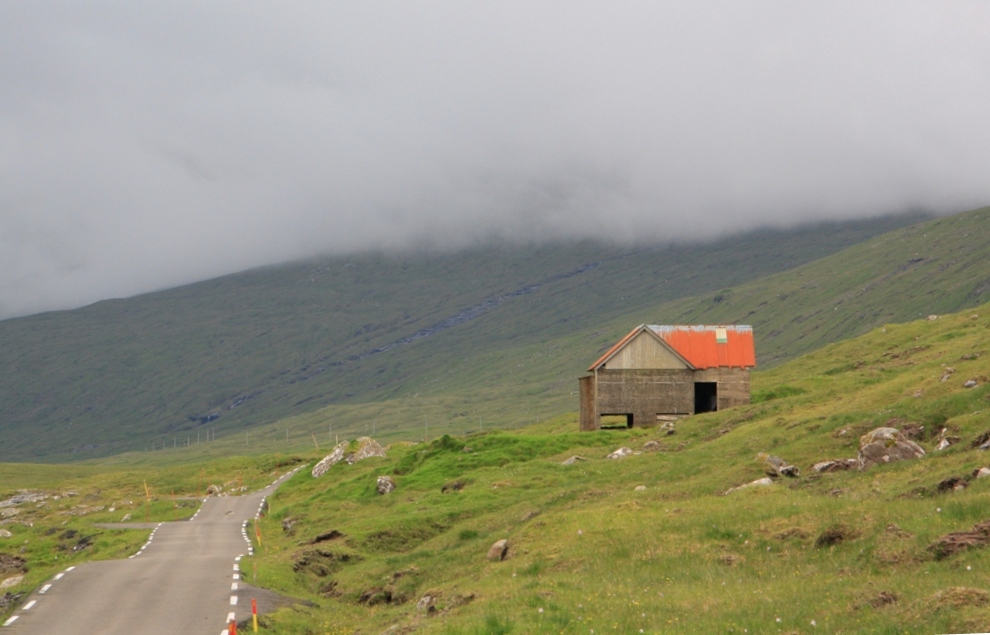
(58, 576)
(237, 576)
(230, 616)
(10, 621)
(45, 588)
(233, 586)
(27, 607)
(233, 600)
(237, 567)
(69, 569)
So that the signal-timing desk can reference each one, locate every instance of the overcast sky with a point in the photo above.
(144, 145)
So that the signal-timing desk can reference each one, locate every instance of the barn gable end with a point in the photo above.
(645, 350)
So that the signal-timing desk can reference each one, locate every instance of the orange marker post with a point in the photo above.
(232, 628)
(257, 531)
(254, 613)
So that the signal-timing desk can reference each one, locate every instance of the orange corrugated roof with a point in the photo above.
(699, 345)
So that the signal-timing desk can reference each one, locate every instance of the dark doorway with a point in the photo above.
(705, 397)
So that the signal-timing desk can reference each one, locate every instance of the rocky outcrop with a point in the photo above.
(835, 465)
(982, 442)
(499, 550)
(572, 460)
(760, 482)
(11, 582)
(385, 485)
(945, 440)
(330, 460)
(366, 448)
(775, 467)
(886, 445)
(9, 600)
(621, 453)
(24, 496)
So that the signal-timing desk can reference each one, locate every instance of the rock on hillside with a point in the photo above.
(885, 445)
(366, 448)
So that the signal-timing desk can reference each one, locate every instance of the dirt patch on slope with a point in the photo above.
(952, 543)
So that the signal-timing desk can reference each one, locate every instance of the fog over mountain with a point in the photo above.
(143, 146)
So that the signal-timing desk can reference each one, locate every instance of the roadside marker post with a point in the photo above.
(254, 614)
(232, 628)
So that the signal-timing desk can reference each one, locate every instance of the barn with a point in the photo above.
(659, 372)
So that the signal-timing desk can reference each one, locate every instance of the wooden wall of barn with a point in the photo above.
(644, 394)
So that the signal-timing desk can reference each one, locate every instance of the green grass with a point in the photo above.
(146, 373)
(588, 551)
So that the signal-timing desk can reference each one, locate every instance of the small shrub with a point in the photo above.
(777, 393)
(496, 625)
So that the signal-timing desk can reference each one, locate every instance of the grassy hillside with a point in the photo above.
(652, 543)
(474, 333)
(648, 543)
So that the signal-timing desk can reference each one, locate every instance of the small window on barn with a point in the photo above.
(616, 421)
(721, 336)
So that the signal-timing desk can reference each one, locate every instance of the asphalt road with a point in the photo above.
(185, 580)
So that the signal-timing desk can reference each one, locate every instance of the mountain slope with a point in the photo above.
(222, 355)
(935, 267)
